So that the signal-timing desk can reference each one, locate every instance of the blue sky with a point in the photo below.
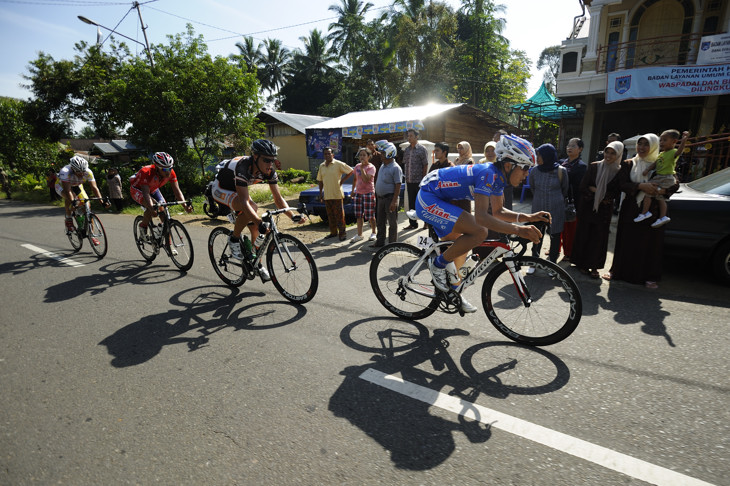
(28, 27)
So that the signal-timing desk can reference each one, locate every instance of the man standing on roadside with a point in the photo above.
(415, 164)
(387, 192)
(376, 157)
(329, 178)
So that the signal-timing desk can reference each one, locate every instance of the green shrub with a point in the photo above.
(289, 174)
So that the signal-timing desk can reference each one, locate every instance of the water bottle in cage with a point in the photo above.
(247, 248)
(259, 241)
(469, 264)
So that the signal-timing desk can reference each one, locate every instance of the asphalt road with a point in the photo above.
(122, 372)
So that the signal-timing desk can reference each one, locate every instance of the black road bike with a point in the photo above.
(87, 225)
(170, 235)
(289, 262)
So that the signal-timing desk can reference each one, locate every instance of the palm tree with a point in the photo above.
(274, 61)
(317, 58)
(251, 54)
(346, 33)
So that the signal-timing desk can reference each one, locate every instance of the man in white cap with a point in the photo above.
(387, 192)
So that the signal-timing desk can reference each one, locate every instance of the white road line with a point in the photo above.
(585, 450)
(54, 256)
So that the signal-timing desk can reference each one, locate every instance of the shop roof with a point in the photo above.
(359, 123)
(297, 122)
(392, 115)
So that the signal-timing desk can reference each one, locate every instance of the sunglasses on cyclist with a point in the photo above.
(269, 160)
(167, 169)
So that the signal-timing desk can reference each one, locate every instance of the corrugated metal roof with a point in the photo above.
(297, 122)
(106, 149)
(392, 115)
(124, 145)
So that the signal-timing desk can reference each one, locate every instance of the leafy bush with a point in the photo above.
(289, 174)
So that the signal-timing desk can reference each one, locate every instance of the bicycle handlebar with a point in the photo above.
(78, 201)
(269, 213)
(173, 203)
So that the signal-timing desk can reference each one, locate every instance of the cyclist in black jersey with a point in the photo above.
(231, 188)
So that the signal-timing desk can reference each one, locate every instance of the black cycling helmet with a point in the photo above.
(263, 147)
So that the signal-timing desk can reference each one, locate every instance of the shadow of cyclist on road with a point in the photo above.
(112, 275)
(417, 438)
(195, 315)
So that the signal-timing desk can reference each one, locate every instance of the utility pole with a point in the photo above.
(144, 32)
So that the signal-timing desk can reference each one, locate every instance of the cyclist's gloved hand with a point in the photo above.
(263, 227)
(298, 218)
(188, 207)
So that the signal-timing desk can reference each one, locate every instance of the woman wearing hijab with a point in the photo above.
(549, 184)
(490, 152)
(465, 155)
(465, 158)
(637, 256)
(598, 189)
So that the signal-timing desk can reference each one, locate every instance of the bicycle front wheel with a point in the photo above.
(144, 241)
(97, 236)
(179, 246)
(74, 237)
(404, 289)
(226, 267)
(292, 269)
(545, 311)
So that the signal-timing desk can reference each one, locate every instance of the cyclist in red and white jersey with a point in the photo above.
(70, 186)
(146, 183)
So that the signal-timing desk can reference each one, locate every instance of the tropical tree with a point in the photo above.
(20, 151)
(425, 36)
(55, 88)
(550, 59)
(249, 53)
(316, 59)
(378, 62)
(189, 100)
(274, 71)
(346, 33)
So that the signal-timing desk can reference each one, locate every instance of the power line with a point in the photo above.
(239, 34)
(69, 3)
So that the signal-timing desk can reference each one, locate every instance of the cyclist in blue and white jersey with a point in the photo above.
(484, 184)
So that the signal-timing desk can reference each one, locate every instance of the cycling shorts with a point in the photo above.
(138, 196)
(224, 196)
(440, 214)
(78, 190)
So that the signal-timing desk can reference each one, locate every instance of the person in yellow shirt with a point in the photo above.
(329, 178)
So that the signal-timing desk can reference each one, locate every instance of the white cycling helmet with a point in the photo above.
(78, 164)
(163, 160)
(519, 151)
(387, 148)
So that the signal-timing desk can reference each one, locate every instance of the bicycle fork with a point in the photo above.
(519, 280)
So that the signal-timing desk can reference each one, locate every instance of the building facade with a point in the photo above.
(645, 66)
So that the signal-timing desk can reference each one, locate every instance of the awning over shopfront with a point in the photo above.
(373, 122)
(546, 106)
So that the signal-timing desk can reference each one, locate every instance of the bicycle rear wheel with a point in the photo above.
(179, 246)
(74, 236)
(97, 236)
(144, 241)
(553, 309)
(229, 269)
(412, 298)
(292, 268)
